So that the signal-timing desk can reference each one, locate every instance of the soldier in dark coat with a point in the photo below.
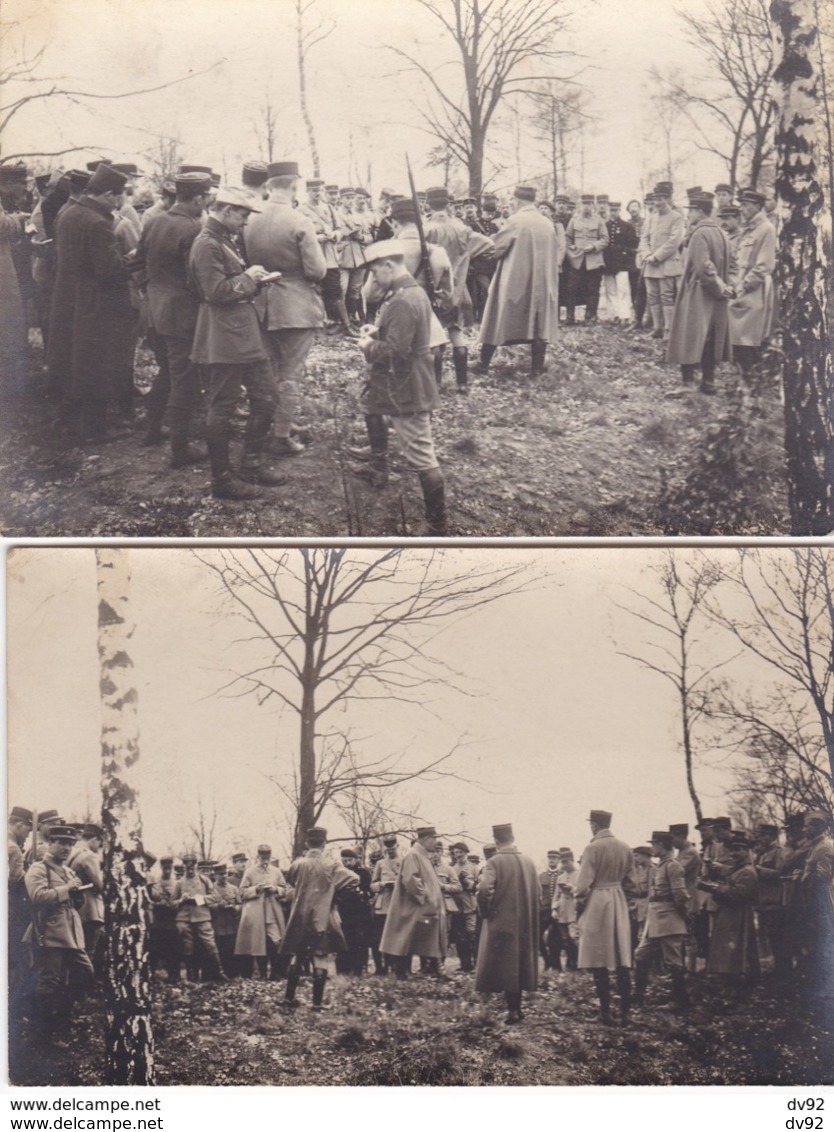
(401, 383)
(164, 248)
(165, 939)
(228, 341)
(354, 905)
(770, 863)
(102, 320)
(816, 891)
(733, 950)
(283, 239)
(508, 900)
(314, 930)
(700, 332)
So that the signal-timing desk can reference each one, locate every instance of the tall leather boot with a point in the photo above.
(680, 998)
(319, 982)
(603, 985)
(434, 494)
(460, 360)
(656, 312)
(375, 470)
(624, 991)
(641, 980)
(223, 484)
(182, 454)
(438, 364)
(538, 352)
(487, 354)
(708, 379)
(513, 999)
(688, 375)
(344, 319)
(668, 314)
(293, 979)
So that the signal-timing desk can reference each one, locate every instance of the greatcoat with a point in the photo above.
(732, 946)
(816, 916)
(59, 925)
(282, 238)
(164, 246)
(701, 301)
(102, 322)
(461, 243)
(605, 877)
(314, 925)
(227, 330)
(259, 907)
(751, 313)
(523, 300)
(13, 339)
(416, 921)
(508, 900)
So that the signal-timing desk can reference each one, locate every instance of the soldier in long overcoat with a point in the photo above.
(65, 972)
(262, 927)
(816, 917)
(283, 239)
(700, 333)
(751, 312)
(416, 921)
(383, 879)
(665, 928)
(603, 888)
(314, 930)
(523, 301)
(508, 900)
(733, 950)
(102, 338)
(13, 337)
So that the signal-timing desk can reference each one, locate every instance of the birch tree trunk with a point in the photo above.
(129, 1047)
(803, 271)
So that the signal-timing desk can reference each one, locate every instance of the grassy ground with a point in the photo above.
(588, 449)
(376, 1031)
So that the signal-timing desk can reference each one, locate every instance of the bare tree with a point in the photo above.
(804, 273)
(331, 627)
(307, 37)
(678, 617)
(559, 113)
(203, 829)
(500, 48)
(782, 612)
(129, 1046)
(24, 84)
(266, 129)
(729, 104)
(165, 158)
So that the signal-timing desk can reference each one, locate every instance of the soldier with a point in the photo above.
(639, 907)
(795, 854)
(85, 862)
(228, 341)
(325, 220)
(383, 879)
(464, 921)
(549, 948)
(587, 239)
(564, 906)
(357, 235)
(752, 310)
(730, 220)
(401, 382)
(254, 177)
(660, 247)
(732, 949)
(194, 896)
(262, 923)
(461, 243)
(523, 303)
(165, 939)
(816, 890)
(225, 914)
(618, 260)
(508, 902)
(723, 196)
(416, 921)
(354, 907)
(20, 826)
(164, 249)
(689, 859)
(603, 888)
(770, 864)
(665, 928)
(314, 932)
(283, 239)
(451, 889)
(699, 333)
(65, 972)
(238, 868)
(46, 819)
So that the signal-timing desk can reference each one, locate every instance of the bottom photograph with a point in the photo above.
(377, 817)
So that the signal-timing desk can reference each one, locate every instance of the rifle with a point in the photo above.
(425, 262)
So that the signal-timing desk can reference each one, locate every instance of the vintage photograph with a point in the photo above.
(403, 816)
(302, 268)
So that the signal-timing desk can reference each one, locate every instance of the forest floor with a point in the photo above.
(377, 1031)
(588, 449)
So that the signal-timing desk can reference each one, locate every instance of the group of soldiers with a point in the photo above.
(743, 898)
(231, 285)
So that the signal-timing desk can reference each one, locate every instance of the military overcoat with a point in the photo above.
(416, 921)
(508, 900)
(523, 299)
(605, 873)
(701, 301)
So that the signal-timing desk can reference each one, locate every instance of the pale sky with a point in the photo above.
(360, 99)
(555, 722)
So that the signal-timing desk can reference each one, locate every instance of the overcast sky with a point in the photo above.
(554, 720)
(360, 99)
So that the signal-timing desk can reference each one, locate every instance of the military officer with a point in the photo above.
(464, 921)
(262, 924)
(723, 196)
(770, 864)
(228, 341)
(85, 862)
(415, 924)
(20, 826)
(326, 223)
(660, 247)
(665, 928)
(225, 914)
(548, 879)
(816, 891)
(564, 905)
(587, 239)
(283, 239)
(194, 895)
(65, 972)
(254, 176)
(751, 311)
(165, 939)
(383, 878)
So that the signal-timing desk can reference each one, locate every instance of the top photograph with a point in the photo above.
(416, 269)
